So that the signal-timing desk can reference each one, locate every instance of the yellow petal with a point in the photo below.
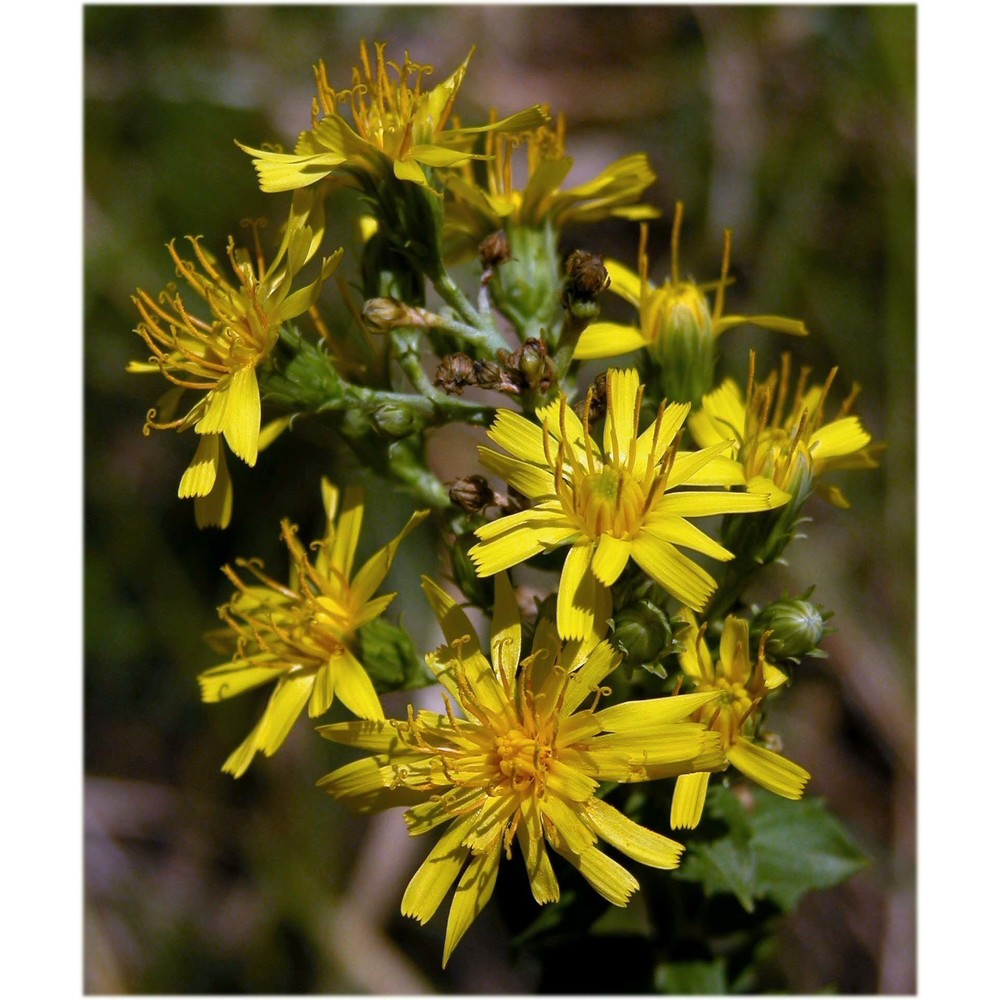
(216, 510)
(688, 801)
(576, 600)
(653, 712)
(231, 679)
(433, 879)
(532, 480)
(519, 436)
(242, 415)
(675, 572)
(378, 735)
(505, 635)
(474, 890)
(608, 340)
(690, 504)
(624, 281)
(375, 570)
(453, 620)
(674, 529)
(630, 838)
(199, 477)
(343, 541)
(542, 878)
(321, 697)
(286, 704)
(619, 427)
(841, 437)
(570, 832)
(608, 877)
(354, 687)
(775, 773)
(611, 558)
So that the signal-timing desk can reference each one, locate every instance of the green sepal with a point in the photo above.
(390, 657)
(777, 850)
(302, 376)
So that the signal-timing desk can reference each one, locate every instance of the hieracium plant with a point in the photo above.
(604, 678)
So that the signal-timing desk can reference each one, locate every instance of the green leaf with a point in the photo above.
(391, 659)
(800, 846)
(691, 977)
(777, 850)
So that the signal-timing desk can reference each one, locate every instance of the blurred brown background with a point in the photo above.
(794, 126)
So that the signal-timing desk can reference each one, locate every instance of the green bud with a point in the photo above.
(395, 420)
(796, 628)
(479, 590)
(643, 633)
(684, 343)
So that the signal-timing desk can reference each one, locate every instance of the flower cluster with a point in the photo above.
(639, 663)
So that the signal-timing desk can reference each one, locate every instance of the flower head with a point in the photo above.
(628, 497)
(521, 758)
(303, 635)
(396, 122)
(740, 686)
(782, 439)
(473, 212)
(218, 357)
(676, 324)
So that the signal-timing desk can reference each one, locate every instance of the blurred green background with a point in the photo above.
(794, 126)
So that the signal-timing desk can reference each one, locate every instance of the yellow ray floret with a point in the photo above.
(738, 686)
(780, 434)
(627, 497)
(218, 357)
(303, 636)
(396, 123)
(519, 755)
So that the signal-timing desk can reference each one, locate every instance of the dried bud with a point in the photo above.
(490, 375)
(586, 278)
(385, 315)
(494, 251)
(455, 372)
(473, 494)
(531, 362)
(595, 405)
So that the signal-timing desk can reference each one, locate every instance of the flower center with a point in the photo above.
(609, 502)
(521, 760)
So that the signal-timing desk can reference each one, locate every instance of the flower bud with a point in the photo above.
(395, 420)
(643, 633)
(684, 342)
(795, 626)
(473, 494)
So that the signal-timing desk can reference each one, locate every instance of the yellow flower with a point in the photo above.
(792, 447)
(611, 502)
(472, 213)
(740, 687)
(676, 324)
(396, 122)
(303, 635)
(219, 357)
(520, 761)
